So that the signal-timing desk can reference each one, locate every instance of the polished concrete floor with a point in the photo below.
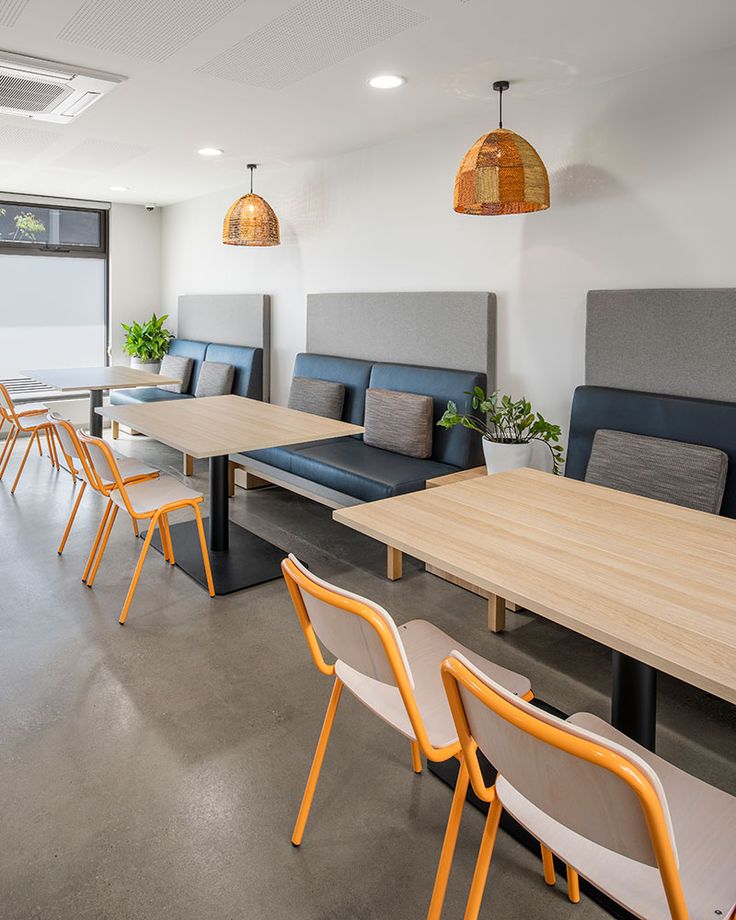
(154, 770)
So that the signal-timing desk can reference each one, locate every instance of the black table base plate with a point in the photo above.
(447, 772)
(249, 561)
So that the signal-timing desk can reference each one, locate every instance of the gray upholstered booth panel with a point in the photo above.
(455, 329)
(678, 341)
(229, 319)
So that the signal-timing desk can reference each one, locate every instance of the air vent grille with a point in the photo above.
(10, 10)
(28, 95)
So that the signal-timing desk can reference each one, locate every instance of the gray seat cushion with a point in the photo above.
(401, 422)
(144, 395)
(320, 397)
(176, 366)
(350, 466)
(215, 379)
(671, 471)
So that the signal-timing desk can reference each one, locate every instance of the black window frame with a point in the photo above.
(54, 249)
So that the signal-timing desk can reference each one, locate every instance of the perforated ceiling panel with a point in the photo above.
(309, 37)
(10, 10)
(19, 143)
(141, 28)
(96, 155)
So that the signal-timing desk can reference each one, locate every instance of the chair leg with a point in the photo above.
(319, 756)
(34, 437)
(40, 451)
(8, 449)
(98, 537)
(72, 516)
(448, 844)
(549, 865)
(483, 863)
(573, 885)
(49, 447)
(7, 440)
(205, 553)
(164, 540)
(138, 569)
(103, 547)
(169, 541)
(416, 757)
(135, 527)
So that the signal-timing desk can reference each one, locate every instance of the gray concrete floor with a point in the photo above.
(154, 770)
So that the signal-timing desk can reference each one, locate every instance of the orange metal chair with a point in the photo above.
(80, 466)
(30, 420)
(149, 500)
(651, 837)
(395, 672)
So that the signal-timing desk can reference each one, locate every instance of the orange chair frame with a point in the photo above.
(158, 517)
(454, 674)
(296, 580)
(16, 420)
(91, 476)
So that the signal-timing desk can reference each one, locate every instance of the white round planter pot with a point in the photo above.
(502, 457)
(153, 367)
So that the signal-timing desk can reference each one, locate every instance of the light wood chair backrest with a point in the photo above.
(587, 783)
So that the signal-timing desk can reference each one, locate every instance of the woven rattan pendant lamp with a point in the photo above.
(501, 173)
(251, 221)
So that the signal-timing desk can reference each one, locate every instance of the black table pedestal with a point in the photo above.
(95, 420)
(634, 699)
(239, 559)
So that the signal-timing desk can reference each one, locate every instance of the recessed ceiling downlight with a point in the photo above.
(387, 81)
(210, 152)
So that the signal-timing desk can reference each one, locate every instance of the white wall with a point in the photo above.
(135, 270)
(643, 195)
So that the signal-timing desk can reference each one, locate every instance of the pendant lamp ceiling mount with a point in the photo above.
(501, 173)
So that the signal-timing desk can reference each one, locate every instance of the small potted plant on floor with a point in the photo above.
(508, 428)
(147, 343)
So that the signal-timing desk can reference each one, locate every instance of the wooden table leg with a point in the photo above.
(187, 465)
(115, 430)
(496, 613)
(394, 560)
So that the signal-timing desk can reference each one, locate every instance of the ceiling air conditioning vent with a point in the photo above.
(48, 91)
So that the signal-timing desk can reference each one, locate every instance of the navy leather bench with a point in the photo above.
(346, 471)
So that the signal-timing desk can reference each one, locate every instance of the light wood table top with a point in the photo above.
(68, 379)
(450, 479)
(212, 426)
(652, 580)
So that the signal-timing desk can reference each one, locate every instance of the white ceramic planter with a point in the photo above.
(153, 367)
(502, 457)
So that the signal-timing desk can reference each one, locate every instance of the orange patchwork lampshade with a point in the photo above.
(251, 221)
(501, 173)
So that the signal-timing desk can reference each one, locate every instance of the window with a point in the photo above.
(51, 229)
(53, 312)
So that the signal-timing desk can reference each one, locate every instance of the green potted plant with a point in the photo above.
(508, 428)
(147, 343)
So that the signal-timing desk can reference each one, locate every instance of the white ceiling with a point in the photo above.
(278, 81)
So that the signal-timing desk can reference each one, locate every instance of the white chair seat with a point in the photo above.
(703, 819)
(426, 646)
(23, 408)
(129, 469)
(147, 496)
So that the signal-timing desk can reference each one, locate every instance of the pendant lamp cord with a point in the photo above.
(500, 110)
(251, 168)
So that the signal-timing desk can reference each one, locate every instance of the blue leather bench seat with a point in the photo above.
(348, 466)
(247, 379)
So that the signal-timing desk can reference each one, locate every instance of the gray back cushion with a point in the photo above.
(401, 422)
(176, 366)
(215, 379)
(671, 471)
(319, 397)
